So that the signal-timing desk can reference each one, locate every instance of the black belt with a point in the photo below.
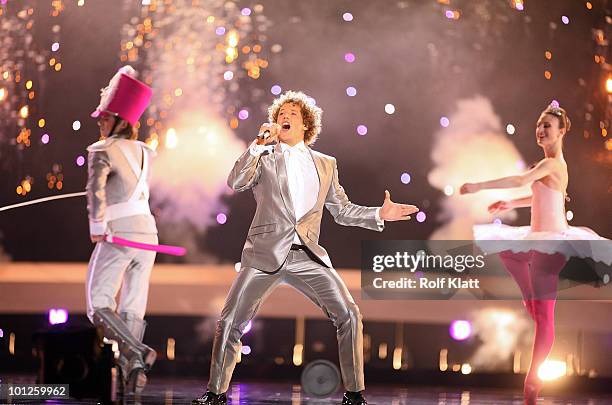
(298, 247)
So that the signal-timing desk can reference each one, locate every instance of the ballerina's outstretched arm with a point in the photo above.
(544, 168)
(501, 206)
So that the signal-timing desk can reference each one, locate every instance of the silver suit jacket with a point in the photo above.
(271, 232)
(111, 181)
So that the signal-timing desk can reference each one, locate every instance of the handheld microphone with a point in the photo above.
(264, 134)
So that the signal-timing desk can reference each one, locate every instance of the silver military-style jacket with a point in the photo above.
(117, 187)
(271, 232)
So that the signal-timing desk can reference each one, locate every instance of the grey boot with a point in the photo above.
(117, 329)
(134, 370)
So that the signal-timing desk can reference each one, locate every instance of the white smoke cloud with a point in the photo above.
(472, 148)
(189, 179)
(501, 332)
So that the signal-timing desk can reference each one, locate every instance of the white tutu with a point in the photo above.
(573, 242)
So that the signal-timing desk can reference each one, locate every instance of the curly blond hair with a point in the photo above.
(311, 114)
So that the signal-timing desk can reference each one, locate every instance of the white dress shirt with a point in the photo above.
(302, 177)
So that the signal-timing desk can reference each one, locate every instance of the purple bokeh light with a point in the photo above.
(421, 216)
(221, 218)
(45, 138)
(362, 130)
(57, 316)
(349, 57)
(405, 178)
(460, 330)
(243, 114)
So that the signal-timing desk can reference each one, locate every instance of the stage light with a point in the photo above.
(55, 47)
(405, 178)
(246, 350)
(76, 125)
(57, 316)
(80, 161)
(362, 130)
(460, 330)
(171, 139)
(445, 122)
(389, 108)
(510, 129)
(347, 17)
(247, 328)
(552, 370)
(421, 216)
(466, 368)
(170, 349)
(443, 360)
(298, 352)
(351, 91)
(221, 218)
(24, 112)
(608, 85)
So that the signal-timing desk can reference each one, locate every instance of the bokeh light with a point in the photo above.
(221, 218)
(276, 90)
(421, 216)
(405, 178)
(349, 57)
(80, 161)
(347, 17)
(351, 91)
(445, 122)
(76, 125)
(389, 108)
(362, 129)
(460, 330)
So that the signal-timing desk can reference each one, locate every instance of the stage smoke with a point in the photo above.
(500, 332)
(189, 179)
(472, 147)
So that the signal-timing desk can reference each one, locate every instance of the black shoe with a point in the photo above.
(353, 398)
(210, 398)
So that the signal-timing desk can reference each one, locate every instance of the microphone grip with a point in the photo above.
(264, 135)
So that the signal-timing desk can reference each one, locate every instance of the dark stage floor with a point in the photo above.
(173, 391)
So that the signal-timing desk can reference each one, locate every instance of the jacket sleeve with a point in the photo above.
(99, 167)
(345, 212)
(246, 171)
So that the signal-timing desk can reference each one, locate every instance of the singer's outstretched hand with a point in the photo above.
(392, 211)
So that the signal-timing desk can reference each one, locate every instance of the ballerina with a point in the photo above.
(535, 266)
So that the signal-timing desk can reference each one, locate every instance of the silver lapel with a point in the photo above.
(319, 164)
(283, 181)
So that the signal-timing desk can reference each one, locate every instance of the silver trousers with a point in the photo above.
(322, 285)
(113, 268)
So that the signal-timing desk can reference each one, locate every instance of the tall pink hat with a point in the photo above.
(124, 96)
